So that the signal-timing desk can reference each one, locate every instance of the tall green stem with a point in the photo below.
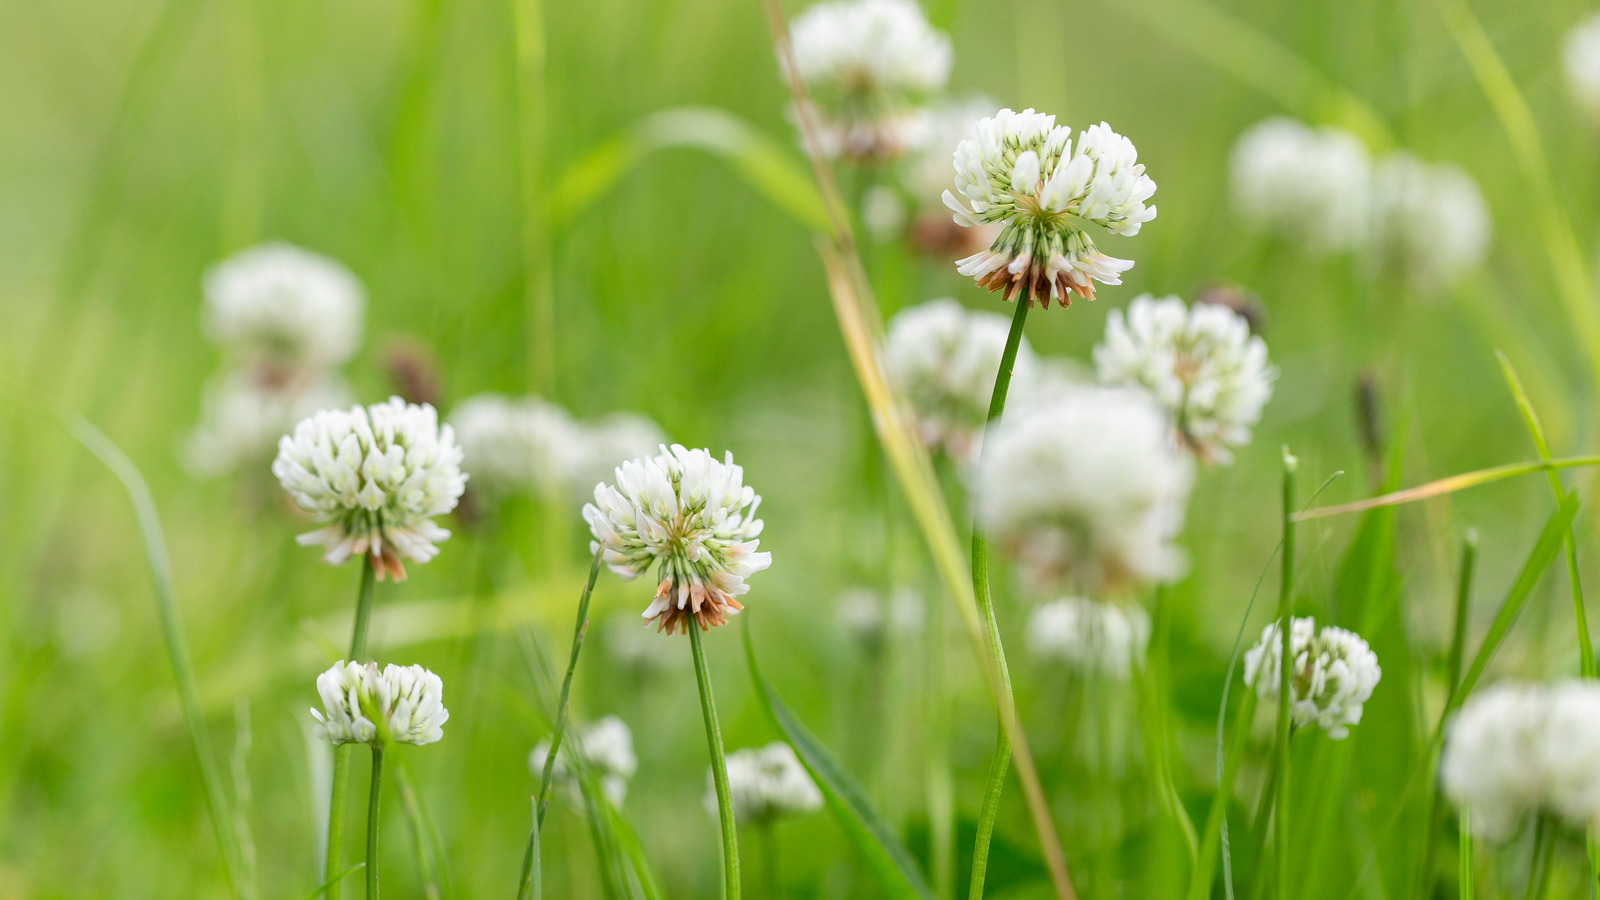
(1464, 875)
(1539, 862)
(1285, 662)
(563, 703)
(1458, 643)
(372, 821)
(1000, 763)
(341, 754)
(719, 768)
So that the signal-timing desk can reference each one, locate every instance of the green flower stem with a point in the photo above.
(1458, 644)
(341, 756)
(719, 768)
(1285, 663)
(547, 778)
(769, 860)
(1000, 763)
(1464, 876)
(372, 821)
(1539, 863)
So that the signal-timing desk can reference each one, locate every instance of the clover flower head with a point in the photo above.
(242, 416)
(867, 65)
(605, 748)
(1091, 636)
(280, 305)
(513, 445)
(766, 784)
(362, 704)
(945, 358)
(1580, 53)
(1200, 363)
(379, 474)
(1334, 673)
(1429, 220)
(693, 520)
(1086, 489)
(1518, 749)
(1311, 186)
(1022, 171)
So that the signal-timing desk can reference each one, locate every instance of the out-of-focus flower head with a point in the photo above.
(1581, 55)
(1310, 186)
(870, 617)
(606, 748)
(379, 474)
(1023, 172)
(1334, 672)
(766, 784)
(514, 445)
(1091, 636)
(603, 444)
(945, 358)
(1429, 221)
(1200, 363)
(693, 520)
(1087, 489)
(241, 418)
(1514, 750)
(868, 65)
(284, 307)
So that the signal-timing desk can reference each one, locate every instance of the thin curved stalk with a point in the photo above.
(719, 768)
(373, 798)
(1000, 763)
(1285, 663)
(1448, 485)
(547, 778)
(341, 755)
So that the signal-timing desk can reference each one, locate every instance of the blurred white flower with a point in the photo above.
(1200, 363)
(605, 747)
(242, 417)
(1091, 636)
(691, 518)
(283, 306)
(513, 445)
(1581, 54)
(766, 784)
(1020, 170)
(380, 474)
(363, 705)
(869, 617)
(944, 357)
(883, 213)
(866, 65)
(1514, 750)
(927, 174)
(1334, 673)
(1087, 488)
(1311, 186)
(602, 445)
(635, 649)
(1429, 220)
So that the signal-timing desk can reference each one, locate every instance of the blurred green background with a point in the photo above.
(141, 141)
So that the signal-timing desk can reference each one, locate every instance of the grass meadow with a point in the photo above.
(607, 204)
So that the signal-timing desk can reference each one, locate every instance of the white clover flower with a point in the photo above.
(1086, 488)
(691, 518)
(513, 445)
(363, 705)
(945, 358)
(867, 64)
(1581, 54)
(1021, 170)
(1200, 363)
(1429, 220)
(380, 473)
(766, 784)
(602, 445)
(605, 747)
(1091, 636)
(242, 417)
(1311, 186)
(1515, 749)
(1334, 673)
(284, 306)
